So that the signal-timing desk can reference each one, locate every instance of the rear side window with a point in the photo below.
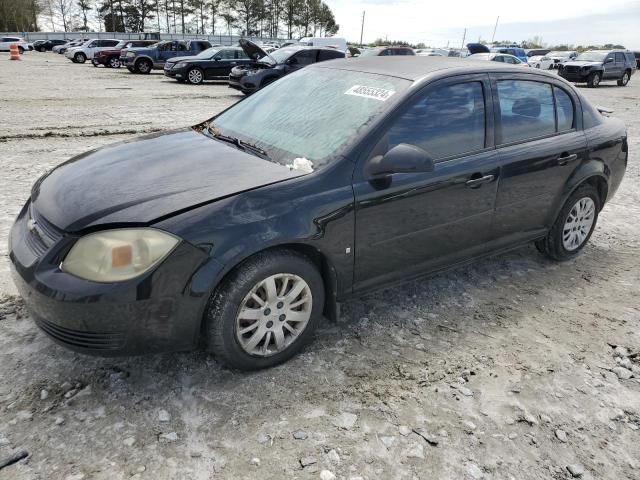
(619, 57)
(526, 110)
(226, 54)
(447, 121)
(564, 109)
(329, 55)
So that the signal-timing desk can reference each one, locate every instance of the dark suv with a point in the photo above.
(269, 67)
(387, 51)
(145, 59)
(594, 66)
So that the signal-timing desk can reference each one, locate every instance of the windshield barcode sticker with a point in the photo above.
(381, 94)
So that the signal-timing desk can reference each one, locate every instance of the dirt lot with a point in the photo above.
(502, 370)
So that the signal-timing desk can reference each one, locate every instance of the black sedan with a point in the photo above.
(338, 179)
(212, 64)
(269, 67)
(47, 45)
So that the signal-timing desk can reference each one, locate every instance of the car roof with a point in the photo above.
(416, 68)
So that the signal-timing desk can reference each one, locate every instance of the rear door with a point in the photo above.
(408, 223)
(540, 144)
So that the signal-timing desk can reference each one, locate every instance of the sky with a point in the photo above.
(437, 23)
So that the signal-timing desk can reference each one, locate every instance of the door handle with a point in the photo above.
(476, 182)
(563, 160)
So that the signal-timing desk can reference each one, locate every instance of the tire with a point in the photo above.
(223, 319)
(594, 79)
(195, 76)
(79, 57)
(113, 63)
(42, 49)
(143, 66)
(131, 69)
(554, 245)
(20, 50)
(625, 79)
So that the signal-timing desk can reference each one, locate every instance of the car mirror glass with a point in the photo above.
(402, 158)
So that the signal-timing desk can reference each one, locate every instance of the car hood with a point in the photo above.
(183, 59)
(582, 63)
(254, 51)
(148, 178)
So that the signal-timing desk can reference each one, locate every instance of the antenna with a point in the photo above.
(494, 29)
(362, 28)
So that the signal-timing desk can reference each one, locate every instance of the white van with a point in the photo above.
(333, 42)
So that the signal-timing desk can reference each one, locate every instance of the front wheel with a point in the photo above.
(265, 311)
(594, 79)
(574, 225)
(114, 62)
(20, 50)
(143, 66)
(80, 57)
(195, 76)
(624, 80)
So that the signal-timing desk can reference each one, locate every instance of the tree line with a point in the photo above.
(264, 18)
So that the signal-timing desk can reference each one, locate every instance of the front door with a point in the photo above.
(541, 143)
(220, 65)
(407, 224)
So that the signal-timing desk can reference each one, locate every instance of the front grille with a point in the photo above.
(571, 69)
(82, 339)
(41, 235)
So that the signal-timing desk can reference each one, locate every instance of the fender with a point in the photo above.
(590, 170)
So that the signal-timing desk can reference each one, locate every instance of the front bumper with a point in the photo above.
(152, 313)
(100, 60)
(574, 75)
(177, 73)
(236, 82)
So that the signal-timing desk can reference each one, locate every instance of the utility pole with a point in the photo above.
(494, 29)
(464, 36)
(362, 28)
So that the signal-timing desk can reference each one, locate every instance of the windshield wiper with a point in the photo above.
(241, 144)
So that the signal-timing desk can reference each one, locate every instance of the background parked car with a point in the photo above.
(144, 59)
(61, 49)
(269, 67)
(541, 61)
(47, 45)
(6, 42)
(535, 52)
(637, 55)
(432, 52)
(331, 42)
(596, 65)
(211, 64)
(110, 57)
(561, 56)
(515, 51)
(387, 51)
(84, 52)
(498, 57)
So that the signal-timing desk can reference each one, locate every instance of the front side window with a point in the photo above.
(304, 58)
(241, 55)
(526, 109)
(449, 120)
(226, 55)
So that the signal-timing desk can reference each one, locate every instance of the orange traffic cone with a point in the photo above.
(14, 52)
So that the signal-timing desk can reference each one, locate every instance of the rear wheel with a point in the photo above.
(195, 76)
(265, 311)
(143, 66)
(80, 57)
(594, 79)
(574, 225)
(625, 79)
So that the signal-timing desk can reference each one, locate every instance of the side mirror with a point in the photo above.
(402, 158)
(216, 59)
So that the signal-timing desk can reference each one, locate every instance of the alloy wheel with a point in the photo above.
(273, 314)
(195, 76)
(114, 62)
(625, 78)
(578, 224)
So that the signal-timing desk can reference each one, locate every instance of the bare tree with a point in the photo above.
(85, 7)
(63, 9)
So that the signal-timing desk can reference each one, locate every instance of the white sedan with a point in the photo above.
(498, 57)
(541, 61)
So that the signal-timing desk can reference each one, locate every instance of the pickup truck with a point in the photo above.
(145, 59)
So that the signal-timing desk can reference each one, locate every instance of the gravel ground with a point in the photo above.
(507, 369)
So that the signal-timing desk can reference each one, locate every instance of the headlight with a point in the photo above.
(131, 54)
(117, 255)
